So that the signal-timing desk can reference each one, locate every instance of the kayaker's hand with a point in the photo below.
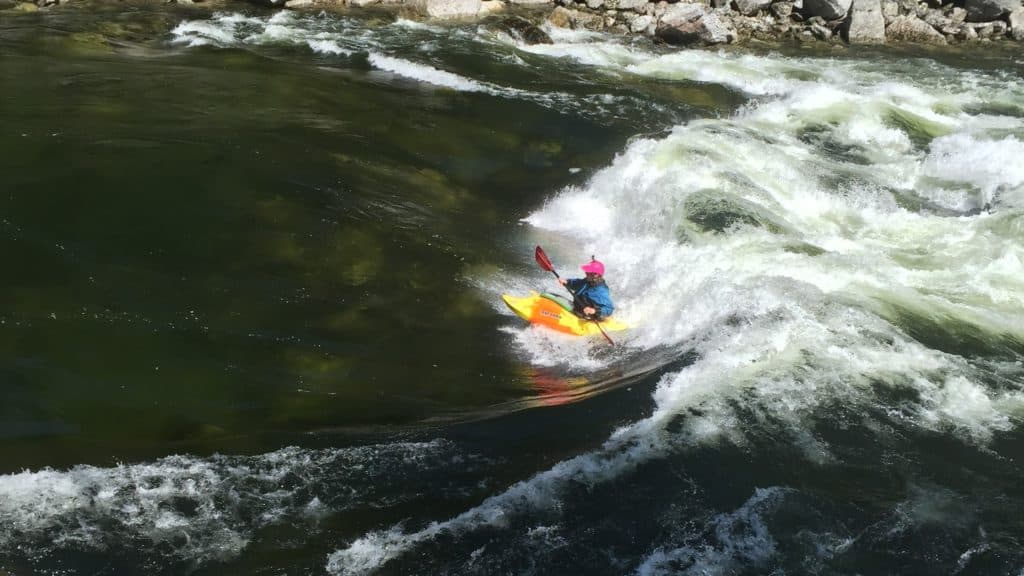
(589, 310)
(563, 281)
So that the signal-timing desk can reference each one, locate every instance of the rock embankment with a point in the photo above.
(710, 22)
(853, 21)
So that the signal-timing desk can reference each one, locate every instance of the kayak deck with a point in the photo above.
(556, 313)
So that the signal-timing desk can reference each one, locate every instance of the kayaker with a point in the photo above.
(593, 299)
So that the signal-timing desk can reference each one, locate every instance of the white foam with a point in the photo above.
(195, 509)
(202, 32)
(426, 73)
(328, 47)
(742, 541)
(989, 166)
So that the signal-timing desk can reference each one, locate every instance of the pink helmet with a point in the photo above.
(593, 267)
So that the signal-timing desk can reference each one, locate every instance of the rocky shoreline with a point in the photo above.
(711, 22)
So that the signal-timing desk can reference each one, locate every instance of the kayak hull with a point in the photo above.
(555, 313)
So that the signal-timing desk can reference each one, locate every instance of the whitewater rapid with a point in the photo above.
(803, 249)
(794, 246)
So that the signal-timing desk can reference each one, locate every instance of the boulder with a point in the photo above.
(913, 29)
(679, 13)
(827, 9)
(890, 10)
(1017, 24)
(782, 10)
(524, 30)
(446, 8)
(491, 7)
(821, 32)
(988, 10)
(565, 18)
(641, 23)
(988, 29)
(689, 24)
(686, 34)
(751, 7)
(560, 17)
(866, 24)
(634, 5)
(937, 19)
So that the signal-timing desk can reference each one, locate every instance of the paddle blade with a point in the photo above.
(542, 259)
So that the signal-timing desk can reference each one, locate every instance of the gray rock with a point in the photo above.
(718, 31)
(486, 6)
(988, 10)
(782, 10)
(293, 4)
(762, 28)
(595, 4)
(587, 21)
(982, 30)
(827, 9)
(1017, 24)
(560, 17)
(678, 14)
(446, 8)
(634, 5)
(530, 2)
(936, 19)
(565, 18)
(907, 7)
(913, 29)
(966, 34)
(890, 10)
(821, 32)
(957, 16)
(866, 24)
(524, 30)
(641, 23)
(684, 34)
(751, 7)
(689, 24)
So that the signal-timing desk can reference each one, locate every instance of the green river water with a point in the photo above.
(249, 314)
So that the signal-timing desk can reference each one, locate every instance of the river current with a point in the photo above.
(250, 318)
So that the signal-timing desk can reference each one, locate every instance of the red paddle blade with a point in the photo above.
(542, 259)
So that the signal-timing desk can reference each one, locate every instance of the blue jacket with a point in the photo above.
(597, 296)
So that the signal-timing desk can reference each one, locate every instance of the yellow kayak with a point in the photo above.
(555, 312)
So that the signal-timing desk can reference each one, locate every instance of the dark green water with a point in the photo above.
(248, 319)
(210, 248)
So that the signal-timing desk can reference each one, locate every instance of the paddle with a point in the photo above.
(545, 263)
